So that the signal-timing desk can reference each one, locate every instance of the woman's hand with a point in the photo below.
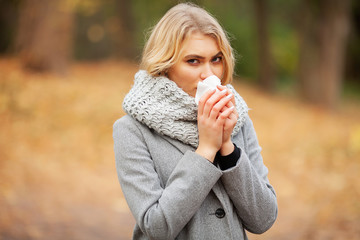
(227, 145)
(212, 117)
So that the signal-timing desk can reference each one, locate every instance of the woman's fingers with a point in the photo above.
(230, 104)
(225, 115)
(208, 100)
(214, 105)
(212, 101)
(203, 100)
(219, 106)
(221, 88)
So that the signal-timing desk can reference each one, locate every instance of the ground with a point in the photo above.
(57, 168)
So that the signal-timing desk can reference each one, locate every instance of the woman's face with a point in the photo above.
(199, 59)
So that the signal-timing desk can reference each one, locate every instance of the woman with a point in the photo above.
(188, 171)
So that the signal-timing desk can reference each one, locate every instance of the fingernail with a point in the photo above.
(230, 95)
(224, 91)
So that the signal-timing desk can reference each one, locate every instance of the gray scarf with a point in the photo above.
(161, 105)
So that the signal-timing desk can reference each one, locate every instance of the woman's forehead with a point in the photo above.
(200, 44)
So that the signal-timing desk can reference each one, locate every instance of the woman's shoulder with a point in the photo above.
(128, 125)
(125, 128)
(126, 122)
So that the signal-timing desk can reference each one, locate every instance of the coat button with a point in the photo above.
(220, 213)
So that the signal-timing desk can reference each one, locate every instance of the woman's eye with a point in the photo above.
(193, 61)
(217, 59)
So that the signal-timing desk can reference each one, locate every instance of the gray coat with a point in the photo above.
(175, 193)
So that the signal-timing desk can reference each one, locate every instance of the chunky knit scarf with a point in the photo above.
(161, 105)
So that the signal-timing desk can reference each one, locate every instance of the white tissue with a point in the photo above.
(208, 84)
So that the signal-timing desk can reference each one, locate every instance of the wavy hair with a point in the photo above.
(162, 49)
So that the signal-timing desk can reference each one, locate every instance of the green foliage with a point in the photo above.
(284, 41)
(351, 90)
(92, 38)
(285, 50)
(147, 14)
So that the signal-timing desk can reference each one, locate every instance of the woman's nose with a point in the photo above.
(207, 72)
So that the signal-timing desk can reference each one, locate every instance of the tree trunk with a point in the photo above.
(266, 71)
(126, 42)
(44, 39)
(323, 38)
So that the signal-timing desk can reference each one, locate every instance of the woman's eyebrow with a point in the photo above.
(218, 54)
(193, 56)
(190, 56)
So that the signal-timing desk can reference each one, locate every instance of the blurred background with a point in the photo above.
(65, 67)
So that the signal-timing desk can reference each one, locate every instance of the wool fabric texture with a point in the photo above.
(161, 105)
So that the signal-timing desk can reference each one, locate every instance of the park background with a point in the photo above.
(65, 67)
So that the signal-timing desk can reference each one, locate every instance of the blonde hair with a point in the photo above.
(164, 45)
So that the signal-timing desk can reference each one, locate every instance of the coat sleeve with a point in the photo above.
(160, 210)
(248, 186)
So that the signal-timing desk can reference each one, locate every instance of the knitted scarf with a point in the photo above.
(161, 105)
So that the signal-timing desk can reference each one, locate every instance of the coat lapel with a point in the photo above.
(182, 147)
